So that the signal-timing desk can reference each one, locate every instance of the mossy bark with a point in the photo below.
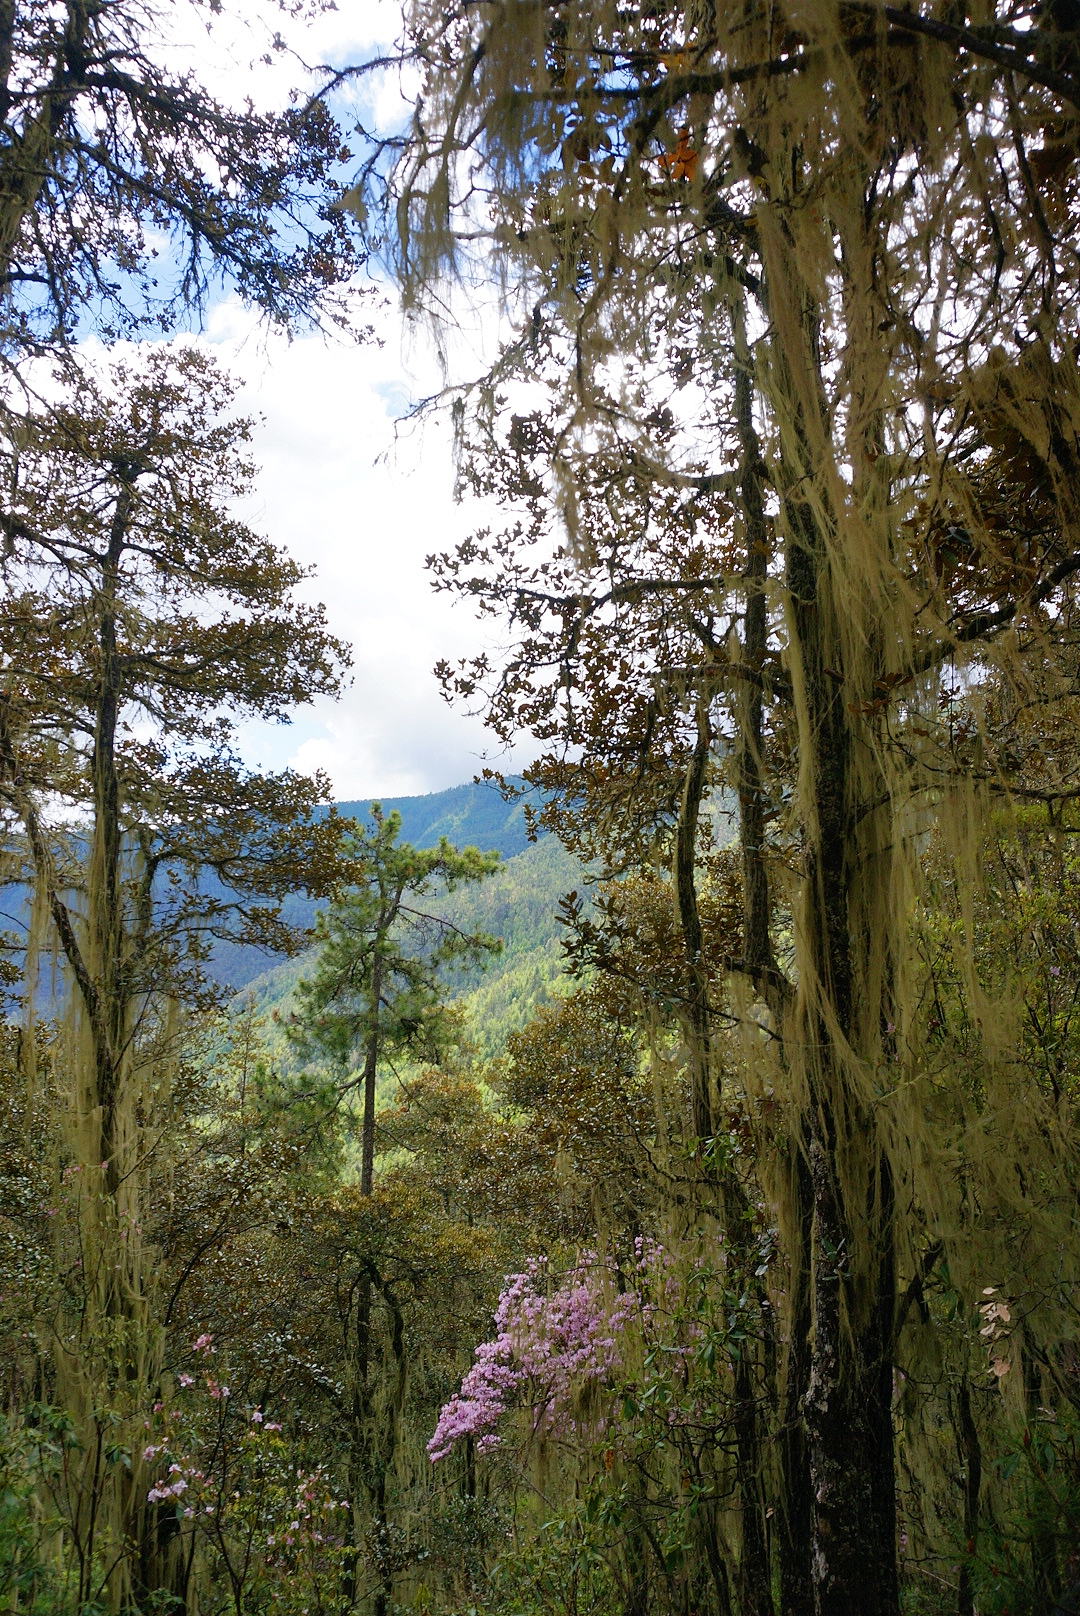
(848, 1401)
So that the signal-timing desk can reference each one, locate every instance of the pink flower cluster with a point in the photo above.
(174, 1488)
(548, 1346)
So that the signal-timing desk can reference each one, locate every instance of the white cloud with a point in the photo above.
(337, 487)
(337, 490)
(229, 47)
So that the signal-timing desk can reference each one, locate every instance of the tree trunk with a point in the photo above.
(971, 1462)
(796, 1500)
(106, 915)
(374, 1435)
(757, 948)
(1045, 1571)
(796, 1592)
(29, 158)
(849, 1397)
(374, 1443)
(371, 1070)
(755, 1581)
(690, 924)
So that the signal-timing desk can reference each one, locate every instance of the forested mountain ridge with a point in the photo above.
(518, 905)
(474, 814)
(470, 815)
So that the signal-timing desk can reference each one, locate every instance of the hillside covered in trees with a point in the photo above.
(647, 1185)
(519, 904)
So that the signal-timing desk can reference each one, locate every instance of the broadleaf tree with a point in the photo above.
(813, 258)
(131, 192)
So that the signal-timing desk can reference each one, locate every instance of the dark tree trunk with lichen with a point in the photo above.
(375, 1401)
(722, 1187)
(848, 1400)
(108, 1009)
(758, 962)
(697, 982)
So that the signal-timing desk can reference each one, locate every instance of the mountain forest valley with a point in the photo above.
(644, 1183)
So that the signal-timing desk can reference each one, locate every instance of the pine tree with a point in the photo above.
(140, 622)
(380, 988)
(379, 994)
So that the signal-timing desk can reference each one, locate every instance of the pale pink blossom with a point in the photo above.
(549, 1345)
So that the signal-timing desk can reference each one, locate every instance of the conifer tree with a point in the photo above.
(140, 622)
(380, 987)
(379, 994)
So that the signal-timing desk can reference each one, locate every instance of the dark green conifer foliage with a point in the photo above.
(379, 992)
(379, 988)
(140, 621)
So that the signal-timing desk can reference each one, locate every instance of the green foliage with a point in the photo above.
(382, 958)
(1032, 1542)
(519, 905)
(569, 1568)
(131, 589)
(270, 1534)
(472, 815)
(787, 1189)
(475, 814)
(32, 1451)
(141, 622)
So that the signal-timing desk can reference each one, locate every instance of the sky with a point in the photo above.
(363, 500)
(340, 485)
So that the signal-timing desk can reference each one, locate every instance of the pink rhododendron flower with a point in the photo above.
(547, 1347)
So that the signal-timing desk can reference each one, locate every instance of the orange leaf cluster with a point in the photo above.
(681, 164)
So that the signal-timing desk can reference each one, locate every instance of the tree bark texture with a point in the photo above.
(796, 1501)
(754, 1574)
(795, 1515)
(371, 1070)
(690, 925)
(374, 1433)
(848, 1400)
(970, 1454)
(106, 898)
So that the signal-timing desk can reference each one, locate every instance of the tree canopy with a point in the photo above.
(130, 190)
(787, 434)
(742, 1279)
(380, 990)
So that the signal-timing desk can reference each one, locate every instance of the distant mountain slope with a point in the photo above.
(472, 815)
(519, 904)
(468, 815)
